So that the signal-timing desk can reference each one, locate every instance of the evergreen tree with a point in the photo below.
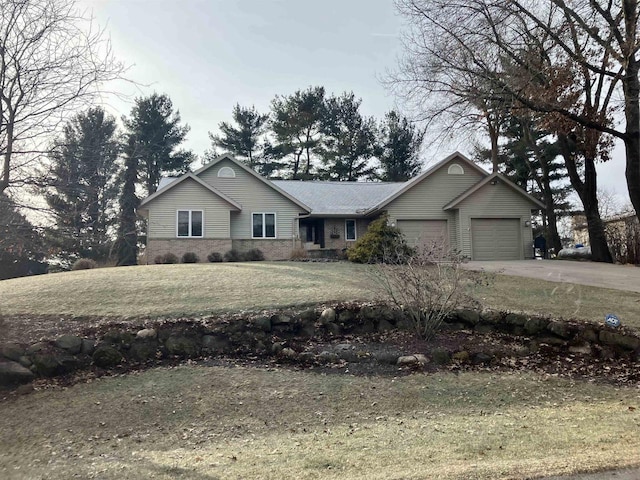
(81, 190)
(21, 246)
(245, 140)
(398, 148)
(158, 134)
(296, 124)
(127, 243)
(349, 139)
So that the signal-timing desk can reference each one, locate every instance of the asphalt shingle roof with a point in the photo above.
(338, 198)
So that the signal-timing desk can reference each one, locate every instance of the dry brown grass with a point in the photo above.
(200, 289)
(201, 422)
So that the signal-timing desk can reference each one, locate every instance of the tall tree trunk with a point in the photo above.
(632, 134)
(587, 191)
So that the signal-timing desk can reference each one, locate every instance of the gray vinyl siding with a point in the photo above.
(255, 197)
(425, 200)
(496, 201)
(188, 195)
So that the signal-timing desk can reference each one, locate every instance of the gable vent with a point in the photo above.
(226, 172)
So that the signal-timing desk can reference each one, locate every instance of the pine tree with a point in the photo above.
(245, 141)
(398, 148)
(127, 243)
(158, 134)
(82, 191)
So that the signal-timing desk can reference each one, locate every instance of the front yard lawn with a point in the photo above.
(215, 422)
(203, 289)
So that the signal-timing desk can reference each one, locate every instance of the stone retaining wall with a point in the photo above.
(267, 335)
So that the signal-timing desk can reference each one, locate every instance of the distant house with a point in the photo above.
(226, 205)
(622, 231)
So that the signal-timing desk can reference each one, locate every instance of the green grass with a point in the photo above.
(201, 289)
(202, 422)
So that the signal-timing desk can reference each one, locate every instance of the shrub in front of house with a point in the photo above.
(214, 257)
(253, 255)
(382, 243)
(190, 257)
(165, 259)
(232, 256)
(83, 264)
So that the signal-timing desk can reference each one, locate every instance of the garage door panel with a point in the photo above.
(495, 238)
(420, 232)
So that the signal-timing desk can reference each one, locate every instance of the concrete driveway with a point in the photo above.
(620, 277)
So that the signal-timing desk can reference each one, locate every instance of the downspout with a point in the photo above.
(293, 228)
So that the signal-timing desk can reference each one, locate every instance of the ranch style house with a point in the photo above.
(226, 205)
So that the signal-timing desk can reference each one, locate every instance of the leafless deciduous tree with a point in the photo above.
(52, 61)
(566, 59)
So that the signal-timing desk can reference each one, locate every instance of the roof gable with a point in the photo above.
(488, 180)
(191, 176)
(424, 175)
(255, 174)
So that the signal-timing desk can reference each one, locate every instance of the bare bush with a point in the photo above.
(427, 287)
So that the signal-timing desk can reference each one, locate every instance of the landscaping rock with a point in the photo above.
(307, 330)
(181, 346)
(281, 320)
(484, 329)
(107, 356)
(288, 353)
(347, 316)
(25, 361)
(470, 317)
(386, 358)
(309, 315)
(619, 340)
(384, 325)
(328, 357)
(307, 357)
(263, 323)
(70, 343)
(491, 316)
(36, 347)
(368, 313)
(67, 362)
(276, 348)
(558, 328)
(515, 319)
(46, 364)
(88, 346)
(334, 329)
(12, 373)
(364, 328)
(549, 340)
(581, 348)
(213, 344)
(12, 351)
(589, 335)
(143, 351)
(147, 334)
(412, 360)
(481, 358)
(440, 356)
(535, 325)
(328, 315)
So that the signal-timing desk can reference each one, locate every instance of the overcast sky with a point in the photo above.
(208, 55)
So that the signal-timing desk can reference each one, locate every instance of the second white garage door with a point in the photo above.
(496, 239)
(418, 232)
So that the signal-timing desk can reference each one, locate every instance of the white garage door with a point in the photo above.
(496, 239)
(421, 232)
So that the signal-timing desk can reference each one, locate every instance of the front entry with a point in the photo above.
(314, 228)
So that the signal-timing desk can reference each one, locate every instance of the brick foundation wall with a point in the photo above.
(272, 249)
(179, 246)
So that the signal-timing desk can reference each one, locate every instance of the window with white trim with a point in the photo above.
(227, 172)
(455, 169)
(350, 229)
(190, 223)
(263, 225)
